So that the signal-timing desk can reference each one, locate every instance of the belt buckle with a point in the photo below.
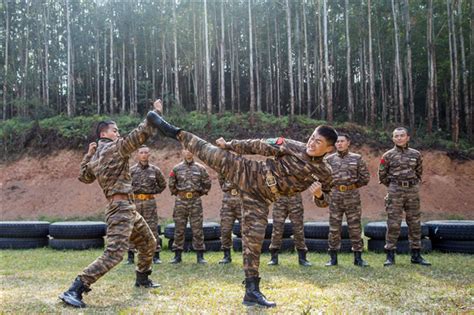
(189, 195)
(405, 183)
(234, 192)
(270, 180)
(342, 188)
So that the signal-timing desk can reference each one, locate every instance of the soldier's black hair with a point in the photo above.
(348, 138)
(102, 126)
(143, 146)
(401, 128)
(329, 133)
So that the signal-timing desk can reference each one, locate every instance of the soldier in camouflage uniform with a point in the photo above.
(188, 181)
(288, 206)
(292, 167)
(107, 162)
(400, 170)
(147, 181)
(231, 210)
(349, 172)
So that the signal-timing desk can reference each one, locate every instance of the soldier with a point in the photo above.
(400, 170)
(349, 172)
(188, 181)
(147, 180)
(107, 162)
(292, 168)
(288, 206)
(231, 210)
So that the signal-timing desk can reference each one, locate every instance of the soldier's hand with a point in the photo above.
(92, 148)
(158, 105)
(316, 189)
(221, 143)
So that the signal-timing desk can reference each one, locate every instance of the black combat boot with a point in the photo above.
(274, 260)
(200, 257)
(130, 259)
(416, 258)
(156, 258)
(177, 257)
(227, 259)
(162, 125)
(390, 258)
(333, 258)
(358, 261)
(143, 281)
(73, 296)
(302, 258)
(253, 296)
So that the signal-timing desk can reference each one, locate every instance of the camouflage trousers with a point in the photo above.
(249, 176)
(291, 207)
(184, 209)
(123, 224)
(147, 209)
(347, 203)
(401, 199)
(231, 210)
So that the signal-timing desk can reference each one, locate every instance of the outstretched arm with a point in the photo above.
(265, 147)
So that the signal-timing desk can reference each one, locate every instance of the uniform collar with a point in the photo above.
(342, 153)
(144, 165)
(104, 140)
(188, 163)
(401, 149)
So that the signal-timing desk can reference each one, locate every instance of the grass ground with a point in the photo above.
(31, 280)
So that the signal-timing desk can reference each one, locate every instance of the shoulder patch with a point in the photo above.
(275, 141)
(172, 173)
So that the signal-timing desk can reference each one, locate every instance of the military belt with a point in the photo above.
(406, 183)
(188, 194)
(144, 196)
(343, 188)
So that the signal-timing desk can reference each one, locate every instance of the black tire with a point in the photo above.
(287, 245)
(24, 229)
(80, 244)
(322, 246)
(454, 246)
(211, 246)
(211, 230)
(377, 230)
(320, 230)
(451, 230)
(22, 243)
(287, 229)
(77, 230)
(403, 246)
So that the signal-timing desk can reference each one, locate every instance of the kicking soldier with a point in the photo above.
(349, 172)
(293, 167)
(147, 181)
(400, 170)
(284, 207)
(107, 162)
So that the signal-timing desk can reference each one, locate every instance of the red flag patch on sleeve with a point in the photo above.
(280, 140)
(172, 173)
(382, 161)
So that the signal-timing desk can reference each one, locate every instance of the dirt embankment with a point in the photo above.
(48, 186)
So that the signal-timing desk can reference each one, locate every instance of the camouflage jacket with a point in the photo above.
(147, 179)
(109, 164)
(293, 168)
(226, 185)
(348, 168)
(189, 177)
(400, 164)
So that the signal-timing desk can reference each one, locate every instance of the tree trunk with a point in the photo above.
(464, 74)
(70, 112)
(373, 104)
(251, 68)
(46, 53)
(299, 74)
(454, 87)
(277, 51)
(306, 56)
(97, 69)
(5, 81)
(208, 63)
(123, 108)
(135, 77)
(350, 97)
(290, 62)
(398, 68)
(177, 98)
(104, 85)
(430, 93)
(222, 63)
(411, 103)
(382, 85)
(111, 73)
(232, 65)
(326, 64)
(270, 105)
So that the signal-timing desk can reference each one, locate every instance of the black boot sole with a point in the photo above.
(248, 303)
(72, 301)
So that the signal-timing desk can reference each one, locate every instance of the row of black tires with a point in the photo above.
(447, 236)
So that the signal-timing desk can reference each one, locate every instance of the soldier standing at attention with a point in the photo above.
(349, 172)
(400, 170)
(107, 162)
(288, 206)
(292, 167)
(231, 210)
(188, 181)
(147, 181)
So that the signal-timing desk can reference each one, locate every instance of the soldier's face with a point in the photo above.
(143, 154)
(317, 145)
(342, 144)
(400, 138)
(111, 133)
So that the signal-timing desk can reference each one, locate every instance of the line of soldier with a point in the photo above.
(291, 167)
